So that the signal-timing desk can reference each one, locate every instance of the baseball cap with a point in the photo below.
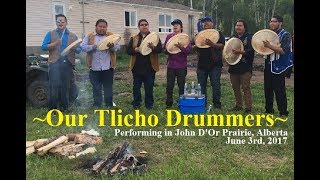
(207, 18)
(176, 21)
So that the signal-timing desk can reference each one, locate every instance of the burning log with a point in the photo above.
(44, 149)
(115, 168)
(119, 161)
(111, 158)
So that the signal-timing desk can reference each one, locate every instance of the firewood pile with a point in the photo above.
(120, 161)
(70, 145)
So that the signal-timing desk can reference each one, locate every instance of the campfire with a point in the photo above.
(120, 161)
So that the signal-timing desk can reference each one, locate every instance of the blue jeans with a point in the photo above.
(60, 74)
(214, 74)
(148, 83)
(98, 80)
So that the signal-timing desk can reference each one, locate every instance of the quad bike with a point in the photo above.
(37, 79)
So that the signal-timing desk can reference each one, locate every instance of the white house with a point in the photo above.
(122, 17)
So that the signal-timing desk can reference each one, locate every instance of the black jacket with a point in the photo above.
(210, 57)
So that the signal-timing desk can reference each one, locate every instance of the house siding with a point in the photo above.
(39, 20)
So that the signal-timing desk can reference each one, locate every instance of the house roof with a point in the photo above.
(162, 4)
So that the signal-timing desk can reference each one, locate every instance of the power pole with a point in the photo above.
(204, 8)
(82, 8)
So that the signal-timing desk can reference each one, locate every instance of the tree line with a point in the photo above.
(257, 13)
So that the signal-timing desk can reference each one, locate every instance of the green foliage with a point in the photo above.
(288, 23)
(256, 12)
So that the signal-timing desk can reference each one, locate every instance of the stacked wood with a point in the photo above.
(29, 143)
(44, 149)
(85, 138)
(30, 150)
(67, 149)
(41, 142)
(86, 151)
(70, 145)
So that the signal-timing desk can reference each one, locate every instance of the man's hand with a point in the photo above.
(178, 45)
(166, 52)
(136, 49)
(55, 44)
(110, 45)
(74, 48)
(237, 51)
(150, 45)
(94, 48)
(266, 44)
(209, 42)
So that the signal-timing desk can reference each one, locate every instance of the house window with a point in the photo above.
(165, 23)
(58, 8)
(130, 18)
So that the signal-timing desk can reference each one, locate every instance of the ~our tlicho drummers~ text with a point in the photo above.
(116, 118)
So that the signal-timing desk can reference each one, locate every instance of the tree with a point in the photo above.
(257, 13)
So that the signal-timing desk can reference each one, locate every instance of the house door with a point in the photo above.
(191, 26)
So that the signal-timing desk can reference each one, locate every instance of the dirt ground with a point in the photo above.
(257, 76)
(258, 66)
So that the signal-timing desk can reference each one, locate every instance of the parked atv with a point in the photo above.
(37, 81)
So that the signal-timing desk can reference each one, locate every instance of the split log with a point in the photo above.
(87, 139)
(43, 142)
(30, 150)
(40, 142)
(87, 151)
(72, 157)
(44, 149)
(62, 145)
(29, 143)
(71, 136)
(90, 132)
(67, 150)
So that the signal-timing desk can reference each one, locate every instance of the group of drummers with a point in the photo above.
(144, 48)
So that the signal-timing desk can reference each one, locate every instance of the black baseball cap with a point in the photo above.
(176, 21)
(207, 18)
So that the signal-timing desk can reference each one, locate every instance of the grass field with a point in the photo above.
(176, 157)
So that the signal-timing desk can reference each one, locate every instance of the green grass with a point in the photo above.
(173, 157)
